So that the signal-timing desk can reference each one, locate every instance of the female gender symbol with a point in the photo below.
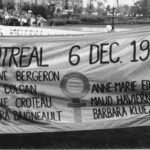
(85, 81)
(75, 96)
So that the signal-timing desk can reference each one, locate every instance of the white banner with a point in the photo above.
(51, 84)
(34, 31)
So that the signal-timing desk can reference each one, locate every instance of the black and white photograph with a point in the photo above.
(74, 74)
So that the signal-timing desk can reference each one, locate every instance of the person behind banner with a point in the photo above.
(6, 18)
(32, 21)
(24, 21)
(39, 20)
(3, 18)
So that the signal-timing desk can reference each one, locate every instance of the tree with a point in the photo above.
(26, 7)
(90, 8)
(52, 10)
(123, 10)
(10, 6)
(37, 10)
(1, 4)
(100, 8)
(108, 9)
(66, 4)
(140, 8)
(144, 7)
(77, 9)
(133, 11)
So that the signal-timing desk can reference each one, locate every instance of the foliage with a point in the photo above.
(108, 9)
(123, 10)
(100, 9)
(77, 9)
(10, 6)
(57, 22)
(92, 19)
(51, 10)
(66, 4)
(140, 7)
(73, 21)
(40, 10)
(144, 7)
(90, 8)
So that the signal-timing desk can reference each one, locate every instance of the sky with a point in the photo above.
(121, 2)
(114, 2)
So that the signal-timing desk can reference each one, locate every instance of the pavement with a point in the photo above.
(85, 37)
(65, 30)
(99, 28)
(87, 29)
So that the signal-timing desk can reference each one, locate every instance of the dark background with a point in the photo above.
(116, 138)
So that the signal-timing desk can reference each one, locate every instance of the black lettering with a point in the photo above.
(94, 48)
(102, 53)
(111, 53)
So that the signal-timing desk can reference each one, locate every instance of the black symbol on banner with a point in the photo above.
(71, 94)
(75, 96)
